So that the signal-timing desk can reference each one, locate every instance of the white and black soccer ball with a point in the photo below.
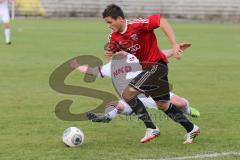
(73, 137)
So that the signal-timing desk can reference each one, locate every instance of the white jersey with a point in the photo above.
(4, 12)
(124, 73)
(122, 70)
(106, 70)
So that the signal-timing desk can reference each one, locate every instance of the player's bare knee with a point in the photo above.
(179, 102)
(127, 96)
(129, 93)
(182, 103)
(120, 107)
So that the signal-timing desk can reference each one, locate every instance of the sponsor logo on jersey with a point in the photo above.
(131, 59)
(122, 70)
(134, 48)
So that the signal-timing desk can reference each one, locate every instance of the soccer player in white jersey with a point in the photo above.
(5, 19)
(115, 72)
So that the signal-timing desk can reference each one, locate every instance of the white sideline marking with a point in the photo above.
(200, 156)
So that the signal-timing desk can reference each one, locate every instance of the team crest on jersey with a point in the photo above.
(134, 37)
(131, 59)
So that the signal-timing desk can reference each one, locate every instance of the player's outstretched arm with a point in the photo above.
(84, 68)
(108, 55)
(103, 71)
(81, 68)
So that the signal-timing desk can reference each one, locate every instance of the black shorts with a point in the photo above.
(153, 82)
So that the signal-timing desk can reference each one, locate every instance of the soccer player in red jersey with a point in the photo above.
(137, 37)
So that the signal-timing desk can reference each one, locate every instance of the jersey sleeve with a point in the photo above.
(154, 21)
(105, 70)
(150, 23)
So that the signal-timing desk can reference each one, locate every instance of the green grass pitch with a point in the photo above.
(208, 75)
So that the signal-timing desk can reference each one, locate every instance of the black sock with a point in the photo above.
(140, 110)
(174, 113)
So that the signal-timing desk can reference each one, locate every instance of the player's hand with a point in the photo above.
(108, 55)
(177, 51)
(74, 64)
(183, 47)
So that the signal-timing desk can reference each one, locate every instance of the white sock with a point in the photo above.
(186, 108)
(7, 35)
(127, 109)
(112, 114)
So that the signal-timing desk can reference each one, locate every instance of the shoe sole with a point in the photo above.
(197, 133)
(150, 138)
(194, 116)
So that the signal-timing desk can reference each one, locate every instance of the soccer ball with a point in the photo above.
(73, 137)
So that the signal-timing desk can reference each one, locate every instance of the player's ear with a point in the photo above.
(120, 18)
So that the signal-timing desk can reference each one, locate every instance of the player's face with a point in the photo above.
(115, 24)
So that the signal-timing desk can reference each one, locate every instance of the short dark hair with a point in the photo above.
(113, 11)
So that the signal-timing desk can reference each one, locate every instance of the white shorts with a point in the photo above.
(147, 101)
(4, 15)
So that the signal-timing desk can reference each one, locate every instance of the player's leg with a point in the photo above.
(175, 114)
(180, 102)
(183, 104)
(159, 90)
(134, 89)
(111, 112)
(121, 107)
(6, 25)
(1, 17)
(130, 96)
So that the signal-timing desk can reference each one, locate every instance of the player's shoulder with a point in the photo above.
(143, 20)
(136, 21)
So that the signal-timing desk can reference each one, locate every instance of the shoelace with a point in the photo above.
(148, 133)
(192, 135)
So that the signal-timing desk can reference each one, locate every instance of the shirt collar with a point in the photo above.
(125, 28)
